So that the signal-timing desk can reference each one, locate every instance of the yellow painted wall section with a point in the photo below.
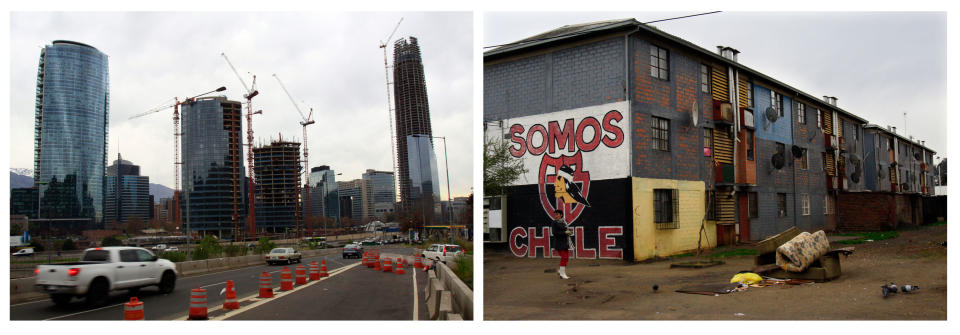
(648, 241)
(719, 84)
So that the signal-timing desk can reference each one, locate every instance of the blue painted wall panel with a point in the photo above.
(778, 131)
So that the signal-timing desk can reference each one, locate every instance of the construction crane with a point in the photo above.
(307, 120)
(393, 137)
(250, 93)
(176, 147)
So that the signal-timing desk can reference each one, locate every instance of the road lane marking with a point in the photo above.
(78, 313)
(223, 282)
(276, 296)
(416, 297)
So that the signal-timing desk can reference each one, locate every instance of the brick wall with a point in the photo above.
(811, 180)
(579, 76)
(878, 211)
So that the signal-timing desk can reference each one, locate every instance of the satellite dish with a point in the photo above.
(893, 164)
(905, 186)
(771, 114)
(917, 155)
(855, 177)
(777, 160)
(854, 159)
(694, 114)
(881, 174)
(797, 151)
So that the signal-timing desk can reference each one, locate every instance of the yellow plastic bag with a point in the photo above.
(748, 278)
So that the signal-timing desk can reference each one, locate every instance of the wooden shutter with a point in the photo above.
(742, 88)
(722, 146)
(720, 88)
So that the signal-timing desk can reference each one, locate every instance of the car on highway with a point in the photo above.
(283, 255)
(442, 252)
(160, 247)
(352, 251)
(171, 249)
(23, 252)
(102, 270)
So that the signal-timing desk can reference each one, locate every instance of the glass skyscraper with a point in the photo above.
(127, 193)
(383, 191)
(70, 131)
(324, 194)
(424, 181)
(213, 177)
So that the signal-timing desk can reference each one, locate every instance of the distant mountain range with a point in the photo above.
(24, 178)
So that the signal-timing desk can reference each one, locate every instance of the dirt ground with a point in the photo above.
(521, 289)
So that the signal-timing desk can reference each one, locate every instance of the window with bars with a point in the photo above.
(752, 205)
(801, 113)
(782, 205)
(707, 142)
(704, 78)
(666, 208)
(661, 134)
(776, 100)
(659, 64)
(749, 136)
(805, 204)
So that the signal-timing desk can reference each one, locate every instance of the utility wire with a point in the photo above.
(586, 32)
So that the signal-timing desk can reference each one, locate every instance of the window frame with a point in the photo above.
(804, 160)
(708, 138)
(666, 202)
(801, 113)
(776, 100)
(658, 64)
(751, 153)
(782, 205)
(661, 134)
(805, 204)
(705, 74)
(753, 210)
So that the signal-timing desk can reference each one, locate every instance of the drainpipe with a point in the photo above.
(796, 219)
(733, 74)
(626, 91)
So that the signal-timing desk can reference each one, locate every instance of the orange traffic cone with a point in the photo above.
(266, 285)
(323, 268)
(399, 269)
(417, 263)
(133, 310)
(387, 265)
(230, 302)
(301, 274)
(198, 304)
(314, 271)
(376, 263)
(286, 279)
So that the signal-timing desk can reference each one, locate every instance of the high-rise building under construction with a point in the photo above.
(418, 182)
(277, 195)
(213, 176)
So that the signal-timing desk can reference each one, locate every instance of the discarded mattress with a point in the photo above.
(801, 251)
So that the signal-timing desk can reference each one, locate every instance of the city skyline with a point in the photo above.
(346, 88)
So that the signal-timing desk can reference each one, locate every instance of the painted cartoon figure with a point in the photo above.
(565, 189)
(560, 239)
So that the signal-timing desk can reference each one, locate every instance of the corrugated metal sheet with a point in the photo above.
(722, 145)
(719, 83)
(726, 208)
(742, 88)
(827, 121)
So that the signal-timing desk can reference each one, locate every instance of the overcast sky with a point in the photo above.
(328, 61)
(878, 65)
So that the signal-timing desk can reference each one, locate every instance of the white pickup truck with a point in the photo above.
(102, 270)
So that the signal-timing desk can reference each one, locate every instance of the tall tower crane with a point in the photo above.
(176, 146)
(307, 120)
(393, 136)
(250, 93)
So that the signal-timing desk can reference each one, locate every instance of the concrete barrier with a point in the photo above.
(445, 306)
(216, 264)
(254, 259)
(236, 262)
(462, 294)
(193, 267)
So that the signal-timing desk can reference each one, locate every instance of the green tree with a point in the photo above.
(68, 245)
(264, 245)
(207, 248)
(111, 241)
(499, 167)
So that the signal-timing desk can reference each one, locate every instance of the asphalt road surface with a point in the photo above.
(351, 293)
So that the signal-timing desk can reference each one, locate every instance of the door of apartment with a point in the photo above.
(744, 217)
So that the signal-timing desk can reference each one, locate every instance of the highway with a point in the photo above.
(352, 292)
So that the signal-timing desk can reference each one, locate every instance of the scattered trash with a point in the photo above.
(655, 287)
(746, 277)
(739, 314)
(607, 299)
(909, 288)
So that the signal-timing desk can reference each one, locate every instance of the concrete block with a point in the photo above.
(216, 264)
(446, 305)
(237, 262)
(454, 317)
(254, 260)
(193, 267)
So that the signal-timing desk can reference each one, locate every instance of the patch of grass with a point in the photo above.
(941, 223)
(734, 253)
(874, 236)
(463, 268)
